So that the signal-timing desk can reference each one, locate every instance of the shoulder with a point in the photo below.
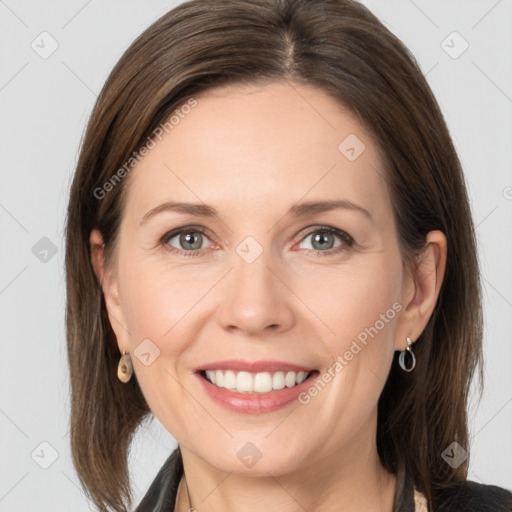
(161, 495)
(469, 496)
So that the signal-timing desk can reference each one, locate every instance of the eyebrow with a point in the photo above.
(298, 210)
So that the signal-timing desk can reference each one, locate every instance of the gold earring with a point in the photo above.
(125, 368)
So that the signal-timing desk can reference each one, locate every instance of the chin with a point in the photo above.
(256, 457)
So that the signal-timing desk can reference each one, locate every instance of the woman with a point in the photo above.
(316, 351)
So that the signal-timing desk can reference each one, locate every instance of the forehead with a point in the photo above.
(278, 140)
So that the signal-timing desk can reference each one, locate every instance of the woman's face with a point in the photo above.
(266, 291)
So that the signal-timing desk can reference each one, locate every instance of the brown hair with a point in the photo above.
(342, 48)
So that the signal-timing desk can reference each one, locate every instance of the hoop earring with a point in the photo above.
(401, 359)
(125, 368)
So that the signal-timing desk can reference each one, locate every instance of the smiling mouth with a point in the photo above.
(255, 383)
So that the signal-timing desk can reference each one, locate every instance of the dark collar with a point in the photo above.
(161, 495)
(465, 496)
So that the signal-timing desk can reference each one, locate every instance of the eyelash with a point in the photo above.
(345, 237)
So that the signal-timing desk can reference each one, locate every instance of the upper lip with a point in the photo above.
(254, 366)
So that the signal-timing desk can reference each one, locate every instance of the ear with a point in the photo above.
(421, 289)
(109, 285)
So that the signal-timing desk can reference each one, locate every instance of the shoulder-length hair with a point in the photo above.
(340, 47)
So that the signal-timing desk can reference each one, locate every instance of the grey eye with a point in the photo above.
(189, 240)
(322, 240)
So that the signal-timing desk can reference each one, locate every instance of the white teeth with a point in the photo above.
(301, 376)
(262, 382)
(244, 382)
(229, 379)
(289, 380)
(278, 380)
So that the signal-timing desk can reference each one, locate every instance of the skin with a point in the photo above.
(252, 152)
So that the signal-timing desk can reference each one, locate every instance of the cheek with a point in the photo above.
(159, 300)
(165, 306)
(361, 308)
(355, 302)
(156, 310)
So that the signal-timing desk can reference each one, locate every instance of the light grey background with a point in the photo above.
(45, 104)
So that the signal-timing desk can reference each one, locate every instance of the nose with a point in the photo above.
(255, 298)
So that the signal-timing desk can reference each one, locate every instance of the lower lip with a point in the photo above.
(255, 403)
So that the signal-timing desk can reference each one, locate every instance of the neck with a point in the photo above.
(351, 479)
